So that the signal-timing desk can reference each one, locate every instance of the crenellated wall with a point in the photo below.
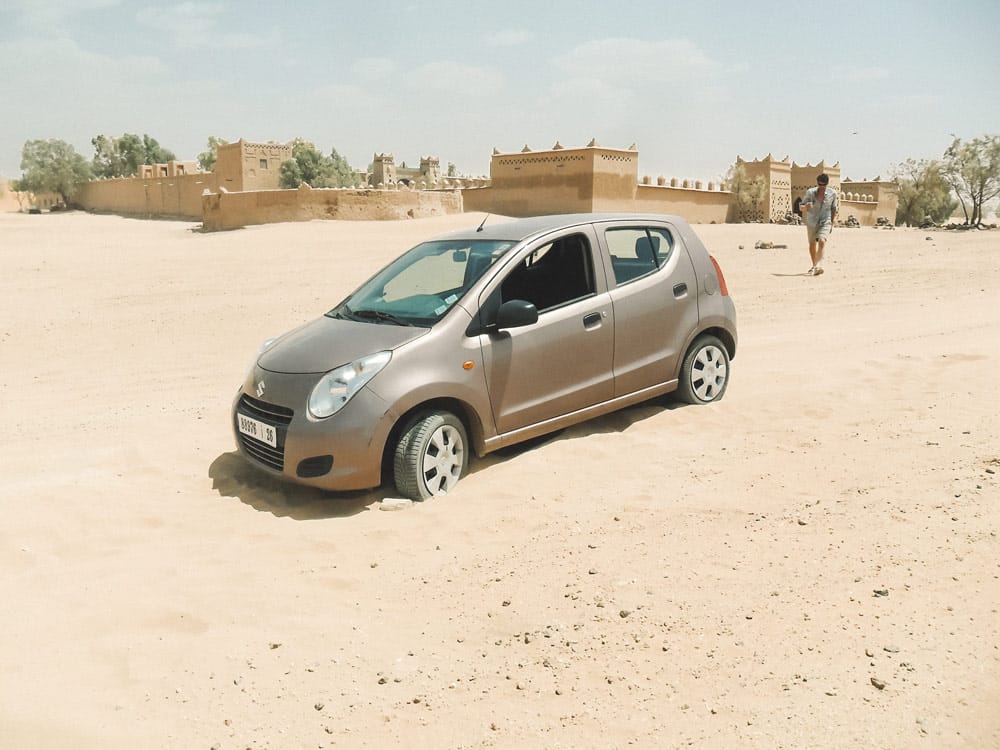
(884, 193)
(776, 201)
(696, 205)
(14, 201)
(225, 210)
(580, 180)
(867, 200)
(174, 189)
(250, 166)
(804, 177)
(168, 197)
(561, 180)
(243, 189)
(862, 208)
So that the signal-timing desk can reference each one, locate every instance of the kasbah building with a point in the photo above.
(243, 189)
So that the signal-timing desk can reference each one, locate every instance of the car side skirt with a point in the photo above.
(575, 417)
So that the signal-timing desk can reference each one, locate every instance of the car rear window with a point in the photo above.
(637, 251)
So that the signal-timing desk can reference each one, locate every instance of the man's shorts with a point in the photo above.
(820, 232)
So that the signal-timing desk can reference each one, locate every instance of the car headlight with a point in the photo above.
(338, 386)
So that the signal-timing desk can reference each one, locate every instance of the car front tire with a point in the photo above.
(705, 372)
(431, 456)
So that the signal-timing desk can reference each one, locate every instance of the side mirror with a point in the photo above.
(516, 313)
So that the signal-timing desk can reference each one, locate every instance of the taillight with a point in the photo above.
(722, 279)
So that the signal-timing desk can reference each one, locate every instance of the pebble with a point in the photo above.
(395, 503)
(891, 649)
(880, 684)
(624, 613)
(881, 592)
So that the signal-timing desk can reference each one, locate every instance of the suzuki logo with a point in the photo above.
(260, 389)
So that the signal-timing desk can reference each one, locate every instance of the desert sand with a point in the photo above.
(812, 562)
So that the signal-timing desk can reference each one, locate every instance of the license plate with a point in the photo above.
(256, 429)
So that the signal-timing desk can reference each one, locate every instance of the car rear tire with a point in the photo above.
(705, 372)
(431, 456)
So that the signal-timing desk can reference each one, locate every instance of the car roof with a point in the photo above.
(524, 229)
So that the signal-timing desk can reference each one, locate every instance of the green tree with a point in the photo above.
(748, 193)
(309, 165)
(52, 166)
(973, 170)
(207, 159)
(108, 160)
(924, 193)
(342, 173)
(121, 157)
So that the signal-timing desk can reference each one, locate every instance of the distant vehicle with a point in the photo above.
(483, 338)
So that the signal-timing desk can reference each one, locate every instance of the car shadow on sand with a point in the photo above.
(234, 476)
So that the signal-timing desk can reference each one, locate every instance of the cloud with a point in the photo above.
(455, 79)
(510, 38)
(67, 62)
(861, 74)
(191, 24)
(630, 63)
(50, 16)
(373, 68)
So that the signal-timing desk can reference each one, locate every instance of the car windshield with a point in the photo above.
(420, 286)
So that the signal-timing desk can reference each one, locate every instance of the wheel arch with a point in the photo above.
(470, 420)
(722, 334)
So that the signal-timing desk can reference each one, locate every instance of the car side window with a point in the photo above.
(663, 241)
(553, 274)
(637, 251)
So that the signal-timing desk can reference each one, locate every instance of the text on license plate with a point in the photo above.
(257, 429)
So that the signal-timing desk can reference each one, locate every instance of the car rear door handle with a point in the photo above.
(592, 320)
(680, 290)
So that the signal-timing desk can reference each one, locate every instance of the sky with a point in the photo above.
(692, 84)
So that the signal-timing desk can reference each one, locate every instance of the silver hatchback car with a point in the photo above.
(480, 339)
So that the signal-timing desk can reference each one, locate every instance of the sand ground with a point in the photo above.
(730, 576)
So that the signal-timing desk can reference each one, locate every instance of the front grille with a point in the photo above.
(279, 416)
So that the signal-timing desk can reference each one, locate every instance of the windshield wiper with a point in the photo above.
(381, 316)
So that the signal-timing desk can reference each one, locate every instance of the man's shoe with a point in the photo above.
(817, 271)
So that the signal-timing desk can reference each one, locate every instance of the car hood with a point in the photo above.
(327, 343)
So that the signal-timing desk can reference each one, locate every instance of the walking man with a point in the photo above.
(819, 209)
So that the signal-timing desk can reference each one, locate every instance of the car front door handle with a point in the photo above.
(592, 320)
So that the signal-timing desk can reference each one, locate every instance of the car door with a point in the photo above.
(654, 292)
(563, 362)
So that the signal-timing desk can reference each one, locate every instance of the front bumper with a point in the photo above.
(342, 452)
